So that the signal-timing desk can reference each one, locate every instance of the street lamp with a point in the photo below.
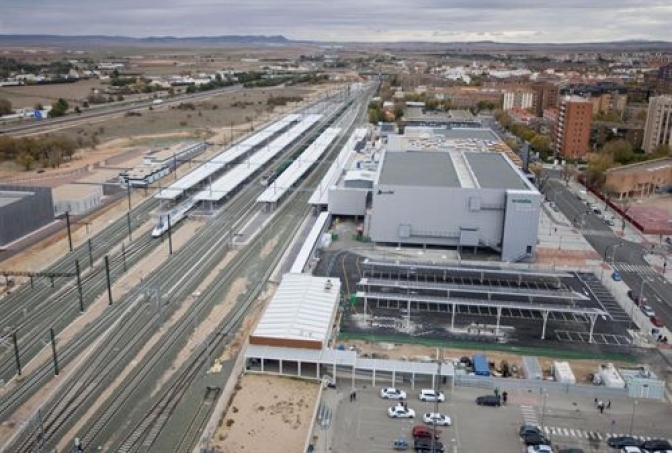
(632, 417)
(613, 254)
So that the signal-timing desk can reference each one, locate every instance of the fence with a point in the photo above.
(592, 391)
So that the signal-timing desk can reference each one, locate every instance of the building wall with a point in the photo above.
(521, 224)
(286, 343)
(658, 129)
(573, 131)
(25, 215)
(78, 205)
(520, 99)
(546, 96)
(349, 202)
(447, 216)
(639, 179)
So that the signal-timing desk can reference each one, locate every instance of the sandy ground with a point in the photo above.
(581, 368)
(267, 414)
(27, 96)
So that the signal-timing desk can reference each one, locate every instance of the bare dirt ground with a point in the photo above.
(27, 96)
(267, 414)
(581, 368)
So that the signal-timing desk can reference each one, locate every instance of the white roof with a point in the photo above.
(299, 167)
(321, 194)
(310, 243)
(222, 159)
(232, 179)
(303, 308)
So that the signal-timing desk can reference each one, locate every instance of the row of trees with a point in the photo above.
(46, 151)
(615, 153)
(540, 143)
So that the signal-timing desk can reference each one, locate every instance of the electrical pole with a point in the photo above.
(53, 349)
(109, 283)
(79, 287)
(16, 353)
(170, 237)
(67, 223)
(88, 241)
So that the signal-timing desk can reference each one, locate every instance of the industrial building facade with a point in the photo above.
(455, 198)
(23, 210)
(658, 129)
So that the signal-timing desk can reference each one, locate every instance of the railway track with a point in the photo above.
(181, 270)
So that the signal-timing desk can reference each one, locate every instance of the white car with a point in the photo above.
(539, 449)
(399, 411)
(431, 395)
(433, 418)
(391, 393)
(631, 450)
(647, 310)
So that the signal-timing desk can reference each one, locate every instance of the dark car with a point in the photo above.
(489, 400)
(655, 445)
(425, 446)
(535, 439)
(424, 432)
(571, 450)
(530, 429)
(656, 321)
(623, 441)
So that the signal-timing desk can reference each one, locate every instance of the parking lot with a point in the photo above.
(568, 420)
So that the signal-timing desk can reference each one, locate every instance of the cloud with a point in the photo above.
(349, 20)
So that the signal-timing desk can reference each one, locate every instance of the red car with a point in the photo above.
(656, 321)
(424, 432)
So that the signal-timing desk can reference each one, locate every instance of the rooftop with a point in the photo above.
(75, 191)
(9, 197)
(466, 169)
(303, 308)
(652, 165)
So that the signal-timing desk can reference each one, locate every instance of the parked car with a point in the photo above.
(610, 222)
(656, 321)
(425, 432)
(535, 439)
(616, 276)
(669, 240)
(431, 395)
(434, 418)
(623, 441)
(656, 445)
(529, 429)
(539, 449)
(632, 450)
(391, 393)
(489, 400)
(597, 211)
(571, 450)
(639, 299)
(425, 446)
(400, 411)
(647, 310)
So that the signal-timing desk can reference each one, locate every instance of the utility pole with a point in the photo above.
(67, 223)
(16, 353)
(88, 241)
(170, 237)
(79, 287)
(53, 349)
(109, 282)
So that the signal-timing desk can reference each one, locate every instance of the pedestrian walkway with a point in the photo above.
(636, 268)
(529, 415)
(554, 431)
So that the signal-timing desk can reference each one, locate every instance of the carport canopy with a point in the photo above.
(543, 308)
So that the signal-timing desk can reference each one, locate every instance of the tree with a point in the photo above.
(26, 160)
(597, 165)
(59, 108)
(398, 111)
(5, 106)
(541, 144)
(620, 151)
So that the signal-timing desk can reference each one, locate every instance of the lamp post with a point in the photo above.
(632, 417)
(613, 254)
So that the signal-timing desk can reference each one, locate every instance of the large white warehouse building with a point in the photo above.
(455, 197)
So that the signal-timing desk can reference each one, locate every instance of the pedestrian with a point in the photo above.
(497, 392)
(609, 404)
(600, 406)
(595, 403)
(354, 395)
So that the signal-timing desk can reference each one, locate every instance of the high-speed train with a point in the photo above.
(177, 214)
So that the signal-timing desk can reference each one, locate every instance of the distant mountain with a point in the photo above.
(279, 40)
(111, 41)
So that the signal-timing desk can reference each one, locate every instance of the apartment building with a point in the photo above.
(518, 99)
(572, 136)
(658, 129)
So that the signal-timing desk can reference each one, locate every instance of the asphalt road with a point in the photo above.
(626, 256)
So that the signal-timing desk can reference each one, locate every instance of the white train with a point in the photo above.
(176, 214)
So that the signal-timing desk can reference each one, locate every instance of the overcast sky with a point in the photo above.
(348, 20)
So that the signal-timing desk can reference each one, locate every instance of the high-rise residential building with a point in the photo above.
(573, 130)
(658, 129)
(545, 96)
(518, 99)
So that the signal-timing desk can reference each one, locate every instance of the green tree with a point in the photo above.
(5, 106)
(26, 160)
(620, 151)
(398, 112)
(541, 144)
(59, 108)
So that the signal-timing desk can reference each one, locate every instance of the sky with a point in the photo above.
(348, 20)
